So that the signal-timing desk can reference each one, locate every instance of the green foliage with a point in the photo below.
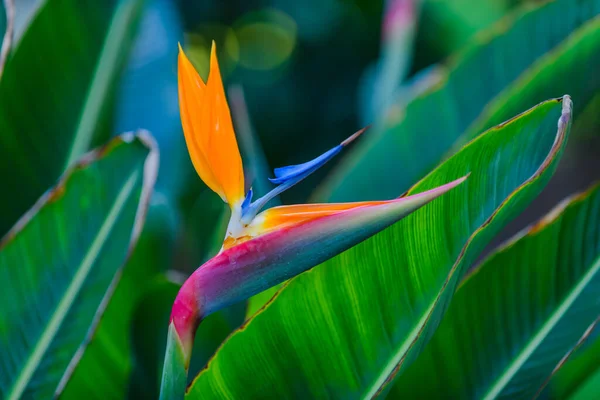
(329, 331)
(61, 260)
(56, 93)
(577, 56)
(85, 313)
(107, 360)
(579, 376)
(413, 139)
(515, 317)
(151, 318)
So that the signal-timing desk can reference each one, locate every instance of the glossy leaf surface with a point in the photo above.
(414, 139)
(525, 307)
(61, 259)
(331, 332)
(50, 117)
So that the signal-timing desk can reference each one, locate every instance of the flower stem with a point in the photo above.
(185, 318)
(175, 369)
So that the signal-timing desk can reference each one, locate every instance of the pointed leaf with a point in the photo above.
(344, 329)
(61, 259)
(515, 317)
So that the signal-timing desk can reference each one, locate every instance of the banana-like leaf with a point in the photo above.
(579, 376)
(457, 21)
(55, 93)
(578, 56)
(514, 318)
(107, 360)
(414, 139)
(59, 263)
(345, 328)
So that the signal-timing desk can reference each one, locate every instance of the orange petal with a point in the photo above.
(208, 129)
(283, 216)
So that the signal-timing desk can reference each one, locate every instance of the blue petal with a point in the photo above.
(286, 177)
(247, 200)
(301, 171)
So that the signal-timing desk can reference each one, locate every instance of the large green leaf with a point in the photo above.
(457, 21)
(61, 259)
(414, 139)
(345, 328)
(515, 317)
(55, 93)
(578, 56)
(107, 360)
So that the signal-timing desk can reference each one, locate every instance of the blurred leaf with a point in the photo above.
(578, 56)
(61, 259)
(150, 331)
(457, 21)
(587, 124)
(580, 373)
(55, 93)
(150, 319)
(2, 19)
(147, 93)
(590, 389)
(7, 17)
(415, 138)
(106, 362)
(344, 329)
(511, 321)
(383, 79)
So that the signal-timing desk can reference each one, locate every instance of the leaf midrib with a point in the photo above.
(72, 290)
(542, 333)
(400, 353)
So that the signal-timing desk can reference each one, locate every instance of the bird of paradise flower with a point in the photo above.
(261, 248)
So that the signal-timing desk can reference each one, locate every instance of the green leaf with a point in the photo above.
(590, 389)
(56, 93)
(107, 360)
(414, 139)
(457, 21)
(515, 317)
(61, 259)
(580, 375)
(151, 318)
(578, 56)
(343, 329)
